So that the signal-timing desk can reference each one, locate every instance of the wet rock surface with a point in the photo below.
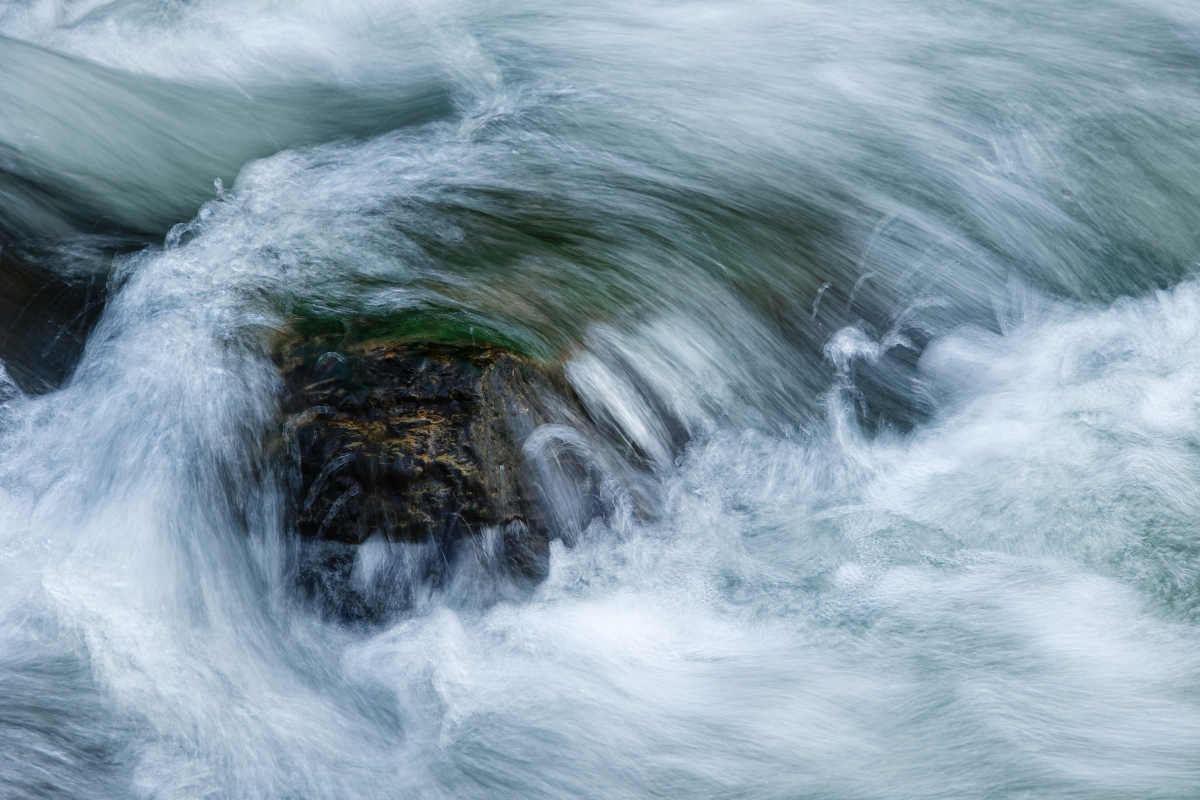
(408, 458)
(52, 293)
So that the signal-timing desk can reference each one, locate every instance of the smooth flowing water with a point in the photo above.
(892, 304)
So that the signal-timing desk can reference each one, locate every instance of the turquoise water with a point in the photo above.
(890, 307)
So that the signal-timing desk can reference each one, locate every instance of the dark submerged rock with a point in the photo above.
(409, 457)
(52, 293)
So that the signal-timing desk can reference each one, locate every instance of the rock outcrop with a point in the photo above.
(417, 449)
(51, 295)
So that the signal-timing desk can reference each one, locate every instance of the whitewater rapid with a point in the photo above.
(892, 309)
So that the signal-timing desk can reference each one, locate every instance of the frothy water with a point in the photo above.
(887, 312)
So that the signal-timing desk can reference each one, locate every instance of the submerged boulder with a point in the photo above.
(52, 293)
(413, 453)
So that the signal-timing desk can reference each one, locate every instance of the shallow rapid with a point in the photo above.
(891, 309)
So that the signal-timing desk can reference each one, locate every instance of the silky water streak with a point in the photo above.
(891, 307)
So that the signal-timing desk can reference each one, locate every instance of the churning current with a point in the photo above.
(891, 304)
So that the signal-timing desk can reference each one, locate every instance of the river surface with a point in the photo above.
(891, 305)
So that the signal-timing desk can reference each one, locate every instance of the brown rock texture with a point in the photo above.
(414, 444)
(409, 458)
(405, 441)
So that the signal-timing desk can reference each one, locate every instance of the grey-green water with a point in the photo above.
(892, 305)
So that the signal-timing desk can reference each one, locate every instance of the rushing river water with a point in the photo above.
(893, 302)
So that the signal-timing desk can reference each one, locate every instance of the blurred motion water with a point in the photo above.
(892, 306)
